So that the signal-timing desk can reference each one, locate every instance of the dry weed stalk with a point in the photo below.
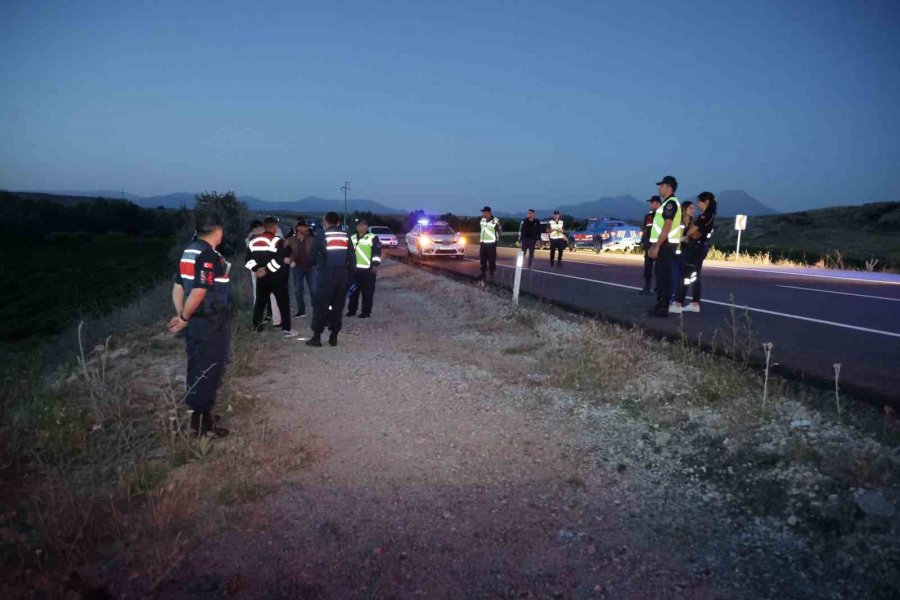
(767, 348)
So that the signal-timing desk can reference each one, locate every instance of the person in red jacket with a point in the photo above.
(268, 259)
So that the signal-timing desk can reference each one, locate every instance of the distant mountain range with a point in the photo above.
(310, 204)
(627, 207)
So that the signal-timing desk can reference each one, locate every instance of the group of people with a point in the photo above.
(331, 263)
(530, 232)
(676, 240)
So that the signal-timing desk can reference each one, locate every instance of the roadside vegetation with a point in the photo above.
(778, 489)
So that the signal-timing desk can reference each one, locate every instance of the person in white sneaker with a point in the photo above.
(696, 247)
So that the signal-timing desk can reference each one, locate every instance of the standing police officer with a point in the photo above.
(665, 236)
(557, 237)
(335, 260)
(654, 202)
(489, 237)
(206, 316)
(367, 247)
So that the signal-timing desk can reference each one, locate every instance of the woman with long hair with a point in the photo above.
(694, 250)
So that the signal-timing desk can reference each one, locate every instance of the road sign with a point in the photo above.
(740, 224)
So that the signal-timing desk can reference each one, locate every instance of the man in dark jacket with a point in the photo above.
(529, 235)
(335, 261)
(645, 246)
(303, 270)
(267, 257)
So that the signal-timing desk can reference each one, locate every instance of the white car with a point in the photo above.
(435, 239)
(385, 236)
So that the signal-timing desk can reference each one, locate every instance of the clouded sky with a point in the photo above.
(452, 104)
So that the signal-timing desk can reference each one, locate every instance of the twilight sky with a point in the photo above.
(448, 105)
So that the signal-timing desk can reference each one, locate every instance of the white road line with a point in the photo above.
(729, 305)
(774, 271)
(805, 289)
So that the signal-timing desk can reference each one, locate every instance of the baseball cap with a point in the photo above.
(301, 222)
(668, 179)
(486, 208)
(362, 222)
(555, 212)
(655, 198)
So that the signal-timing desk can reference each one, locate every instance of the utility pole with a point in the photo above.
(346, 188)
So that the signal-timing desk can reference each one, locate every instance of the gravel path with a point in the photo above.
(433, 473)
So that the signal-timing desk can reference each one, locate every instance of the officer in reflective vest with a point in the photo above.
(367, 247)
(335, 261)
(665, 237)
(557, 237)
(489, 237)
(206, 315)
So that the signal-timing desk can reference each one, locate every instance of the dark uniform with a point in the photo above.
(207, 337)
(670, 210)
(529, 237)
(694, 253)
(269, 251)
(645, 246)
(368, 256)
(335, 260)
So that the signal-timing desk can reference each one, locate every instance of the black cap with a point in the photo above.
(555, 212)
(301, 222)
(655, 198)
(668, 179)
(362, 222)
(486, 208)
(255, 224)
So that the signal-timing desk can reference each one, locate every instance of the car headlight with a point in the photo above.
(425, 240)
(461, 241)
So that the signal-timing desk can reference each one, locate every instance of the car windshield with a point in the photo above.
(438, 230)
(381, 230)
(602, 226)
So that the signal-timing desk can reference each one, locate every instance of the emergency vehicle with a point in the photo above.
(603, 234)
(429, 239)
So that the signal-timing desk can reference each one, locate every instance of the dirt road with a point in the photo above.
(438, 470)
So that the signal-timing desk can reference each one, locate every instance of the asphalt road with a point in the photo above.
(814, 317)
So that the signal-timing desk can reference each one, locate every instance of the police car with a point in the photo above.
(385, 236)
(428, 239)
(605, 234)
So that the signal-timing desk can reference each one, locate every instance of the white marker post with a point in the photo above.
(518, 279)
(740, 224)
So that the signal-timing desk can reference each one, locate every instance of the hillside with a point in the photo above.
(739, 202)
(859, 233)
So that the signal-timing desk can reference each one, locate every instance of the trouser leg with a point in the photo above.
(311, 278)
(321, 301)
(528, 250)
(648, 271)
(552, 250)
(664, 277)
(261, 301)
(337, 297)
(367, 288)
(483, 259)
(562, 246)
(283, 302)
(353, 302)
(297, 276)
(677, 275)
(699, 267)
(207, 354)
(492, 258)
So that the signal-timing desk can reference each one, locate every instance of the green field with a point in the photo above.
(48, 284)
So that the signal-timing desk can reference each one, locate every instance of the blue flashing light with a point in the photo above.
(424, 222)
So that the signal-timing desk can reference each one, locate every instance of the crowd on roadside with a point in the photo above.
(675, 239)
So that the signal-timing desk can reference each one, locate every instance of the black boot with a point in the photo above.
(203, 423)
(315, 340)
(332, 339)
